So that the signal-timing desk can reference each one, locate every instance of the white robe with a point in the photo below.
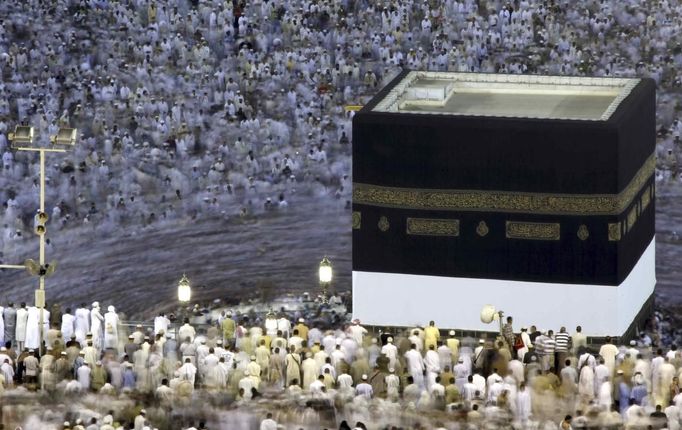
(605, 398)
(22, 317)
(67, 326)
(161, 324)
(82, 324)
(2, 326)
(32, 324)
(586, 383)
(111, 330)
(96, 320)
(523, 404)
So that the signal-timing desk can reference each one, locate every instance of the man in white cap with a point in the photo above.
(392, 385)
(96, 322)
(461, 373)
(83, 376)
(111, 329)
(391, 352)
(364, 388)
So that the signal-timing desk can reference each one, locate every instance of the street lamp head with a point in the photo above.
(22, 136)
(325, 271)
(65, 136)
(184, 289)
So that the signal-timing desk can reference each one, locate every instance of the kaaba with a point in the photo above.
(531, 193)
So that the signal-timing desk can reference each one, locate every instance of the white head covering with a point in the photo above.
(95, 304)
(111, 309)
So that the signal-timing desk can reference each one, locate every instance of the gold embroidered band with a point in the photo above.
(533, 230)
(433, 227)
(357, 220)
(619, 229)
(505, 201)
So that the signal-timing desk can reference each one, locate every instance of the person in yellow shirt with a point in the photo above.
(302, 329)
(453, 343)
(431, 335)
(228, 327)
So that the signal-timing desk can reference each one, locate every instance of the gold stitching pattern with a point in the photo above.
(357, 220)
(583, 232)
(504, 201)
(433, 227)
(383, 224)
(632, 218)
(646, 198)
(533, 230)
(614, 231)
(482, 229)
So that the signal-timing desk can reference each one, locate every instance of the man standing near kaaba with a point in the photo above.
(431, 336)
(508, 335)
(9, 315)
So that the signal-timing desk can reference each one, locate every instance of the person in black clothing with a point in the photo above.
(385, 334)
(534, 333)
(659, 419)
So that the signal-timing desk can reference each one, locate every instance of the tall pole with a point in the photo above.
(40, 293)
(27, 137)
(42, 253)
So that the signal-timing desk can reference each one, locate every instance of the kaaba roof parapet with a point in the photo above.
(507, 96)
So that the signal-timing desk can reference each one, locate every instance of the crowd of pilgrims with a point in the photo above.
(308, 371)
(202, 108)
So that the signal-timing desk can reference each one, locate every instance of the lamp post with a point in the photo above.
(21, 139)
(184, 296)
(325, 277)
(184, 290)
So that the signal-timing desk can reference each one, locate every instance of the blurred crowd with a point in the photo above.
(311, 368)
(191, 109)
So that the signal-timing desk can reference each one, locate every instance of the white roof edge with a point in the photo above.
(390, 102)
